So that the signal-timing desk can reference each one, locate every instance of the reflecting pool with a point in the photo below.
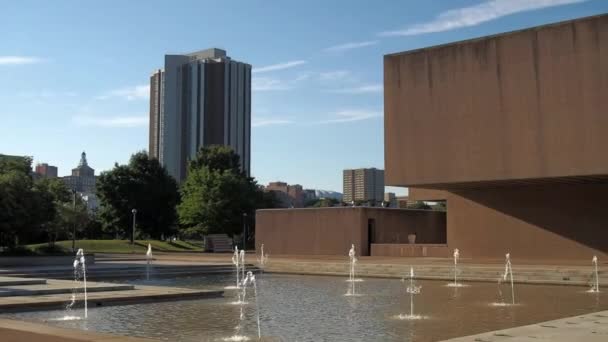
(315, 308)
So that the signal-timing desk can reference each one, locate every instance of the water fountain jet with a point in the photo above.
(508, 274)
(351, 291)
(595, 286)
(412, 289)
(247, 280)
(456, 258)
(237, 264)
(242, 264)
(79, 271)
(148, 261)
(263, 257)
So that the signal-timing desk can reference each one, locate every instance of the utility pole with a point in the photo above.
(73, 220)
(244, 230)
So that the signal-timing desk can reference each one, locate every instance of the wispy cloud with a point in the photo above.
(137, 92)
(336, 75)
(113, 121)
(303, 77)
(269, 84)
(476, 14)
(47, 94)
(363, 89)
(280, 66)
(261, 122)
(351, 116)
(350, 46)
(19, 60)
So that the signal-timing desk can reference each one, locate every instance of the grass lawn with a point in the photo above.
(122, 246)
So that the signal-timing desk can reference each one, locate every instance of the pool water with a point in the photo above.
(314, 308)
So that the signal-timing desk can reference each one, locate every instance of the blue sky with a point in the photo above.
(74, 74)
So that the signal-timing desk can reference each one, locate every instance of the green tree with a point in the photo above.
(216, 194)
(217, 158)
(322, 203)
(268, 200)
(24, 208)
(420, 205)
(53, 196)
(144, 185)
(440, 206)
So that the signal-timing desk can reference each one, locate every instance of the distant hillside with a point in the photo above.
(328, 194)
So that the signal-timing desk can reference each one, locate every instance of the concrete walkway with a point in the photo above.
(588, 328)
(19, 294)
(20, 331)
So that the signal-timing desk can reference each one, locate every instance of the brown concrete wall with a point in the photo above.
(421, 194)
(557, 222)
(414, 250)
(319, 231)
(331, 231)
(393, 226)
(527, 104)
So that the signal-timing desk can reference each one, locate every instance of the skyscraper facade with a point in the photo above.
(363, 185)
(199, 99)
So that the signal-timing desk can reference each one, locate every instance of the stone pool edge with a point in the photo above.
(589, 328)
(140, 294)
(19, 331)
(529, 274)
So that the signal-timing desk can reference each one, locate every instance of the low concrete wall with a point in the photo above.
(331, 231)
(392, 226)
(314, 231)
(43, 260)
(410, 250)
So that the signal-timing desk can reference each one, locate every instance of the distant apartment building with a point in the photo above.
(363, 185)
(289, 196)
(46, 170)
(309, 195)
(83, 178)
(199, 99)
(390, 200)
(402, 201)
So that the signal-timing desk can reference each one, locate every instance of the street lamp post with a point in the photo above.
(244, 230)
(134, 212)
(73, 220)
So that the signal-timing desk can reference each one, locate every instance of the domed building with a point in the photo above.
(83, 181)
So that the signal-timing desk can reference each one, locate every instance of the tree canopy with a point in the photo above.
(144, 185)
(216, 194)
(217, 158)
(420, 205)
(25, 207)
(322, 202)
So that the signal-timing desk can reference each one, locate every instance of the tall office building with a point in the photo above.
(199, 99)
(363, 185)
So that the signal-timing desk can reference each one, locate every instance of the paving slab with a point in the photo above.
(60, 286)
(591, 327)
(12, 281)
(138, 294)
(20, 331)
